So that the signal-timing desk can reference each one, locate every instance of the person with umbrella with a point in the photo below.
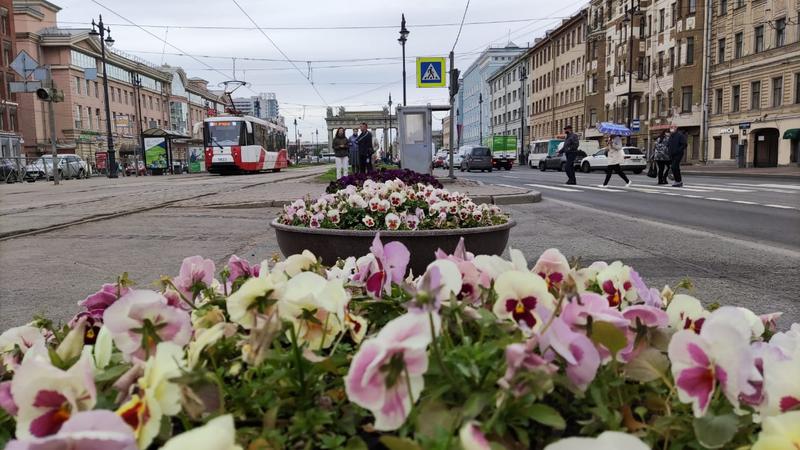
(570, 150)
(615, 159)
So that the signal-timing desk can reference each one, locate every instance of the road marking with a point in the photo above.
(682, 188)
(745, 202)
(781, 206)
(717, 199)
(509, 176)
(649, 191)
(598, 188)
(782, 186)
(720, 188)
(556, 188)
(691, 196)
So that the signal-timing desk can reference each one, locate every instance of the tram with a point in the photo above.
(242, 144)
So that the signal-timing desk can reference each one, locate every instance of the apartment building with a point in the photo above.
(9, 124)
(754, 91)
(506, 99)
(557, 83)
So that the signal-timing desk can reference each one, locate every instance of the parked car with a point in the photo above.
(10, 171)
(457, 158)
(478, 158)
(131, 170)
(559, 161)
(69, 166)
(634, 160)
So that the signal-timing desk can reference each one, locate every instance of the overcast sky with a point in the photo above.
(359, 81)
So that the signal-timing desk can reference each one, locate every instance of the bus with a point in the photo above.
(241, 144)
(541, 149)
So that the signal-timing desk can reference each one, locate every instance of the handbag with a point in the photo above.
(651, 172)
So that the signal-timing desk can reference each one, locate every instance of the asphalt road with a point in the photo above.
(753, 209)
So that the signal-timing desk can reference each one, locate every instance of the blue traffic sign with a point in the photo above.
(431, 72)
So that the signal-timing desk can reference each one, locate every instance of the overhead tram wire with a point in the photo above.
(153, 35)
(460, 27)
(281, 51)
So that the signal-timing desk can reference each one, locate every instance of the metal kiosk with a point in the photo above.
(415, 140)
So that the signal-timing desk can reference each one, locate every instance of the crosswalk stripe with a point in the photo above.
(717, 199)
(781, 206)
(744, 202)
(690, 189)
(555, 188)
(598, 188)
(769, 186)
(720, 188)
(691, 196)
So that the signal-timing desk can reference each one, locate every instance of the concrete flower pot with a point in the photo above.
(331, 244)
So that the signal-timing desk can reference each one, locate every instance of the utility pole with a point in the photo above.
(454, 74)
(296, 144)
(389, 149)
(480, 118)
(523, 75)
(402, 40)
(52, 119)
(100, 30)
(136, 80)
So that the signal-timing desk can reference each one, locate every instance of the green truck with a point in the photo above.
(504, 151)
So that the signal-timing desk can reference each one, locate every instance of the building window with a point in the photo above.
(734, 146)
(686, 102)
(717, 147)
(739, 3)
(723, 7)
(670, 102)
(777, 92)
(609, 80)
(780, 32)
(78, 85)
(661, 19)
(96, 90)
(689, 51)
(671, 59)
(78, 114)
(89, 125)
(755, 95)
(718, 101)
(673, 14)
(736, 92)
(759, 39)
(797, 88)
(692, 6)
(592, 117)
(721, 51)
(660, 64)
(739, 45)
(4, 21)
(7, 53)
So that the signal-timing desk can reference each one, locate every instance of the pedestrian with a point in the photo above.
(676, 146)
(570, 150)
(353, 155)
(341, 152)
(661, 156)
(615, 158)
(365, 149)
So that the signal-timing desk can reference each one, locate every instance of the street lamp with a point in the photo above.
(389, 150)
(629, 13)
(296, 145)
(523, 75)
(402, 40)
(100, 30)
(480, 118)
(136, 81)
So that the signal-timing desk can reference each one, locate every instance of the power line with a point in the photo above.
(466, 8)
(280, 51)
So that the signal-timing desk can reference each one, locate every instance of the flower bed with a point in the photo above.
(391, 205)
(406, 176)
(476, 353)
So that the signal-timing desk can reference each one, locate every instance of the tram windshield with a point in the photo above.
(224, 133)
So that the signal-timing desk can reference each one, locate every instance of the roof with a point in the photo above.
(160, 132)
(65, 32)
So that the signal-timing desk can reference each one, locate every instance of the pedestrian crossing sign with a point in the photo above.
(431, 72)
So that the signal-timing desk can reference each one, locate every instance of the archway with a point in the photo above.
(765, 147)
(376, 120)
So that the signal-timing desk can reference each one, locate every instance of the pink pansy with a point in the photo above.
(47, 396)
(239, 267)
(770, 321)
(385, 265)
(586, 278)
(648, 296)
(576, 349)
(368, 221)
(411, 221)
(521, 357)
(316, 220)
(393, 221)
(608, 440)
(647, 316)
(553, 267)
(472, 279)
(334, 215)
(196, 274)
(87, 430)
(519, 294)
(97, 303)
(781, 368)
(22, 338)
(440, 282)
(7, 400)
(387, 365)
(720, 353)
(576, 313)
(141, 319)
(616, 284)
(472, 437)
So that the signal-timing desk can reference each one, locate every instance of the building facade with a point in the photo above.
(754, 91)
(476, 117)
(446, 132)
(557, 81)
(9, 124)
(264, 105)
(506, 99)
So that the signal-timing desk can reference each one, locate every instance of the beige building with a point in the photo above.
(755, 83)
(446, 132)
(81, 117)
(558, 76)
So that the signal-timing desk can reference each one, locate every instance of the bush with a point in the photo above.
(406, 176)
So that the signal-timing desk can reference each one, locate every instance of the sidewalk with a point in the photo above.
(786, 172)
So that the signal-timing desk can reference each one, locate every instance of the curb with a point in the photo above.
(509, 199)
(767, 176)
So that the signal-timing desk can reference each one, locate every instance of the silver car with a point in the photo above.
(69, 166)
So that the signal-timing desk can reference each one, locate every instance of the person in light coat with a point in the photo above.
(615, 159)
(341, 148)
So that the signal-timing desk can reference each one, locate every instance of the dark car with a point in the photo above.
(559, 161)
(478, 158)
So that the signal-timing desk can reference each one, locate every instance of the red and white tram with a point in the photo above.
(237, 144)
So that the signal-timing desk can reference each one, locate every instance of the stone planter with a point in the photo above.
(331, 245)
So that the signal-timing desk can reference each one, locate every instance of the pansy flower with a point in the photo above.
(518, 295)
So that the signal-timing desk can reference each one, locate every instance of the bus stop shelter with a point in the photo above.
(157, 145)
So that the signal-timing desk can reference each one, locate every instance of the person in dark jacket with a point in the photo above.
(661, 156)
(676, 146)
(353, 155)
(365, 149)
(570, 150)
(341, 150)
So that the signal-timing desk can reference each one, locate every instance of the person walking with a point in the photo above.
(570, 150)
(615, 158)
(661, 156)
(341, 152)
(676, 146)
(365, 149)
(353, 154)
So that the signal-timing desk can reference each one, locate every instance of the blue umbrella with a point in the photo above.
(613, 129)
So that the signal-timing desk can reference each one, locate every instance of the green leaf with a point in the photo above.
(396, 443)
(355, 443)
(609, 336)
(546, 415)
(648, 366)
(475, 405)
(715, 431)
(432, 417)
(112, 373)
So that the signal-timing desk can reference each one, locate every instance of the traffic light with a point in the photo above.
(454, 74)
(50, 95)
